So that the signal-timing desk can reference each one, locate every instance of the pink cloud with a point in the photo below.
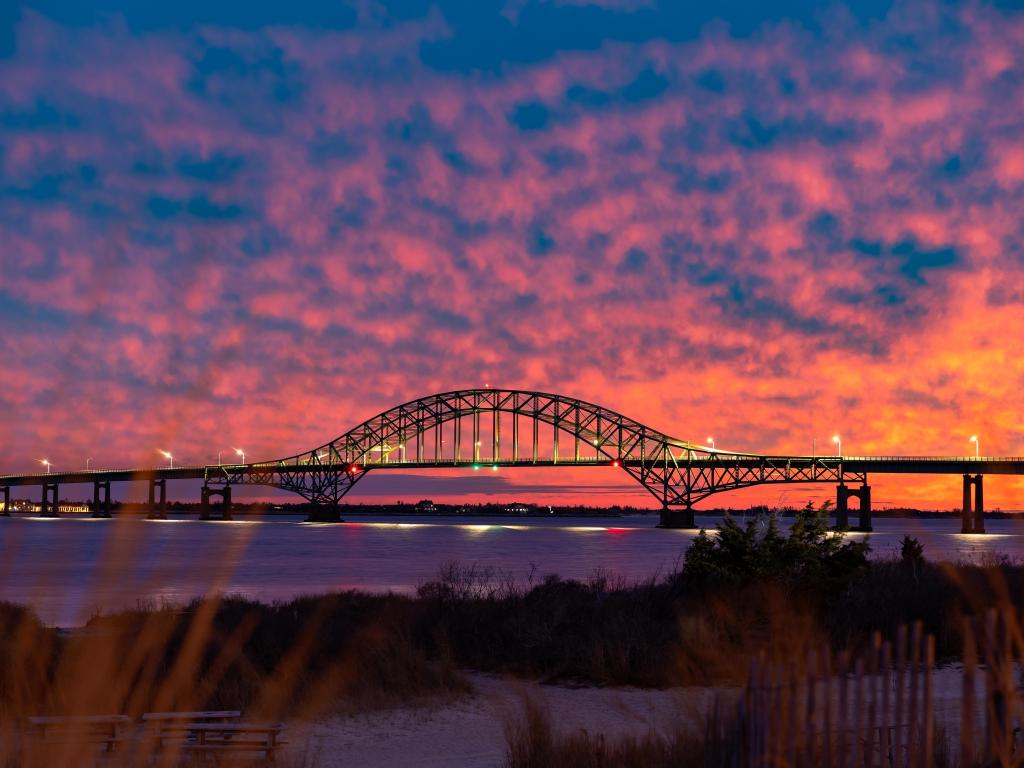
(670, 257)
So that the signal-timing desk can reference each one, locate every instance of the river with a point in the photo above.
(71, 567)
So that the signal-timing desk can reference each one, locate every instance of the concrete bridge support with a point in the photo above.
(863, 496)
(7, 501)
(677, 518)
(973, 520)
(325, 513)
(225, 495)
(101, 507)
(50, 506)
(158, 503)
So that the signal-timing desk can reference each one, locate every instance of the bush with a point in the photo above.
(808, 556)
(911, 550)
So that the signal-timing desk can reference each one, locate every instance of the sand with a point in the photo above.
(470, 730)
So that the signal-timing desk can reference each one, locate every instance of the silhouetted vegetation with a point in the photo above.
(533, 742)
(713, 741)
(911, 551)
(749, 591)
(757, 550)
(308, 656)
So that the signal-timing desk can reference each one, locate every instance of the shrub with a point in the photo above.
(911, 550)
(809, 555)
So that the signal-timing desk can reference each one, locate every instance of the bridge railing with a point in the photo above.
(980, 459)
(715, 457)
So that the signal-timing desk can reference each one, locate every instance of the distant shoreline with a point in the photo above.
(133, 509)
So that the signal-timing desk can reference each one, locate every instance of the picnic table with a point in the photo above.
(90, 729)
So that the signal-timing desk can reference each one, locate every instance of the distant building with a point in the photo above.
(426, 507)
(62, 507)
(520, 508)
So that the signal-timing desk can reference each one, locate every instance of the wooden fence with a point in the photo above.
(878, 709)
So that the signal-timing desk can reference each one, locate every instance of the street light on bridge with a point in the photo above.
(46, 463)
(241, 453)
(711, 442)
(977, 446)
(88, 461)
(839, 444)
(167, 455)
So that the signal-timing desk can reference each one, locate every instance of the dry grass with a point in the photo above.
(352, 651)
(533, 742)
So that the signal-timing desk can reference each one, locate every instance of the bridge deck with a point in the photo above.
(984, 465)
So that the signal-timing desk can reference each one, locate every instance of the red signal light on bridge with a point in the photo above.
(353, 469)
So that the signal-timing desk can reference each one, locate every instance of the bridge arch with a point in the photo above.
(676, 472)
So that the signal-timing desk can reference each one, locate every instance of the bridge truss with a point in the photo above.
(507, 428)
(497, 427)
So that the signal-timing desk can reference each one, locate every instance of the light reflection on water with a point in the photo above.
(71, 567)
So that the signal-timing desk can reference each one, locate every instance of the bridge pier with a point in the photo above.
(7, 501)
(677, 518)
(325, 513)
(101, 509)
(225, 495)
(50, 507)
(973, 520)
(863, 496)
(842, 508)
(864, 521)
(157, 505)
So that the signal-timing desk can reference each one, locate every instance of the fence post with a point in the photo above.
(826, 656)
(886, 718)
(772, 723)
(810, 709)
(929, 707)
(843, 720)
(858, 713)
(915, 660)
(988, 641)
(1006, 689)
(870, 752)
(901, 664)
(751, 713)
(967, 721)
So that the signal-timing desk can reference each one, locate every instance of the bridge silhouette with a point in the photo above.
(484, 428)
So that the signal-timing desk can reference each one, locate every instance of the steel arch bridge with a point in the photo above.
(507, 428)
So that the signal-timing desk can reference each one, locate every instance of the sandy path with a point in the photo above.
(470, 731)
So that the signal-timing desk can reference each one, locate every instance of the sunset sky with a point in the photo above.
(261, 224)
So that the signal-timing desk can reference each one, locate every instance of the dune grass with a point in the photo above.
(352, 650)
(752, 594)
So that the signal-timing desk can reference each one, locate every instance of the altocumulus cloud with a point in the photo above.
(270, 221)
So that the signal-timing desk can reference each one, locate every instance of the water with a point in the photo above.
(69, 568)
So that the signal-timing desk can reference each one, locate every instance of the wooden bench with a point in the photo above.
(231, 738)
(165, 728)
(102, 730)
(212, 716)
